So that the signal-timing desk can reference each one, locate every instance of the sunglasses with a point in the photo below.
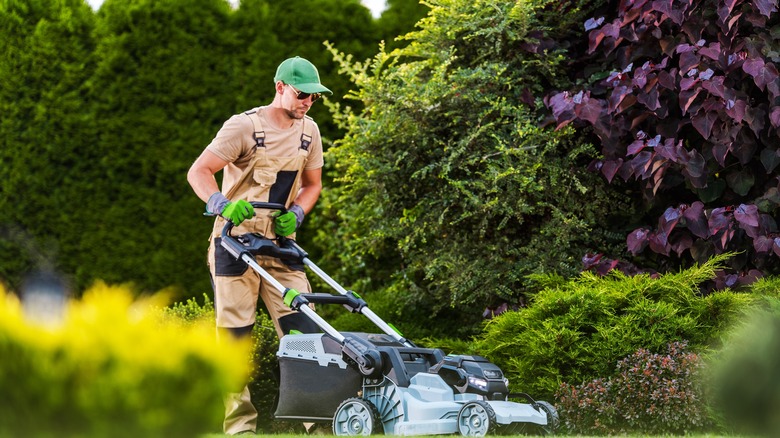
(303, 96)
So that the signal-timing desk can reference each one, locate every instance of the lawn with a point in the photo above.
(217, 435)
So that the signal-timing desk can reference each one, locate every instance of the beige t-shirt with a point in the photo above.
(235, 144)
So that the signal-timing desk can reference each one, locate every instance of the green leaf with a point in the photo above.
(712, 191)
(741, 182)
(770, 158)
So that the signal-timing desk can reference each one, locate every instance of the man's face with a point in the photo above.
(296, 107)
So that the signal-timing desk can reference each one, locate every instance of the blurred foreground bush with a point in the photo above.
(746, 373)
(113, 367)
(264, 377)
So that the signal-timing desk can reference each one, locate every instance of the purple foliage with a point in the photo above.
(687, 104)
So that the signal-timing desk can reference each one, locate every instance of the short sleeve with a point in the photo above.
(232, 139)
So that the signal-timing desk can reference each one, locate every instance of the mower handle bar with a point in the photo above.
(261, 205)
(257, 244)
(288, 249)
(367, 312)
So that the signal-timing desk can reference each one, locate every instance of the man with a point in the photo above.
(271, 154)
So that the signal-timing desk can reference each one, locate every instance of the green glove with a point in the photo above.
(235, 212)
(238, 211)
(286, 224)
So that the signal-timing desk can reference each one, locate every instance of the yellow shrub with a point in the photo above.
(113, 366)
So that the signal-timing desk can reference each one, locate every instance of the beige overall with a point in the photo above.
(236, 285)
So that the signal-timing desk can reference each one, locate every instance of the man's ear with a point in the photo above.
(279, 87)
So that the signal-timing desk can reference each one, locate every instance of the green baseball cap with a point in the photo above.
(301, 74)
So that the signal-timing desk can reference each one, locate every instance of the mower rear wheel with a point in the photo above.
(476, 418)
(356, 416)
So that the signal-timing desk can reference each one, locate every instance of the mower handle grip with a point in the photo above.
(262, 205)
(269, 206)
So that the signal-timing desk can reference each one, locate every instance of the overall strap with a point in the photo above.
(307, 132)
(258, 134)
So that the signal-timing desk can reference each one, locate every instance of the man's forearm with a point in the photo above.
(308, 196)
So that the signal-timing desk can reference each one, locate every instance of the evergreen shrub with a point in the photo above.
(112, 366)
(649, 393)
(576, 331)
(192, 311)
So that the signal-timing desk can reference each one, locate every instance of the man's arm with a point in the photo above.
(311, 186)
(201, 174)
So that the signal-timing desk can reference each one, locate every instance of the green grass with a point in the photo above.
(217, 435)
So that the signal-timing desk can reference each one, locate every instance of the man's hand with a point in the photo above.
(238, 211)
(286, 223)
(235, 212)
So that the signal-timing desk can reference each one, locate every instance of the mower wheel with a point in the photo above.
(356, 416)
(553, 421)
(476, 418)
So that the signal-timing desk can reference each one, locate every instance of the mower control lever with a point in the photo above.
(269, 206)
(257, 244)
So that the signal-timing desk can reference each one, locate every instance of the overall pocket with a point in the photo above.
(225, 265)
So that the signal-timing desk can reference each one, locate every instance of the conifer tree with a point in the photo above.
(45, 59)
(163, 81)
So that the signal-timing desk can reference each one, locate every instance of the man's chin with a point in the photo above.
(297, 114)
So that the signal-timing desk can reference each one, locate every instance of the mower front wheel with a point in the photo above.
(476, 418)
(354, 417)
(553, 421)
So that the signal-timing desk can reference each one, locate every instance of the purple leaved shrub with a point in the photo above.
(683, 97)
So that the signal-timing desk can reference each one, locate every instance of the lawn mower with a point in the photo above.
(366, 383)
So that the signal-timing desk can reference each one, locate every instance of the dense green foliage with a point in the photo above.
(44, 60)
(150, 125)
(400, 17)
(682, 96)
(103, 112)
(451, 190)
(575, 331)
(111, 365)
